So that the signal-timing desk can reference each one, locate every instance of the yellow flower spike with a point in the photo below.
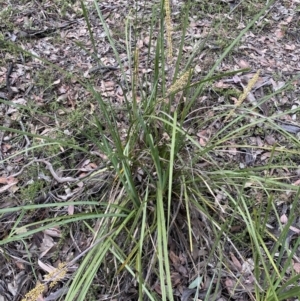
(57, 274)
(34, 293)
(180, 83)
(169, 29)
(52, 277)
(243, 96)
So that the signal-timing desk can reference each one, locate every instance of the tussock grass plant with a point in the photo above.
(165, 190)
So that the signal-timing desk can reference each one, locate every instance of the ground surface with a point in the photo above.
(50, 101)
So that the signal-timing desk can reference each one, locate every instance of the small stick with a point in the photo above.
(54, 174)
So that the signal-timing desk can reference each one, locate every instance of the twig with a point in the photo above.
(90, 247)
(26, 138)
(20, 171)
(54, 174)
(103, 69)
(68, 179)
(7, 123)
(8, 87)
(74, 241)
